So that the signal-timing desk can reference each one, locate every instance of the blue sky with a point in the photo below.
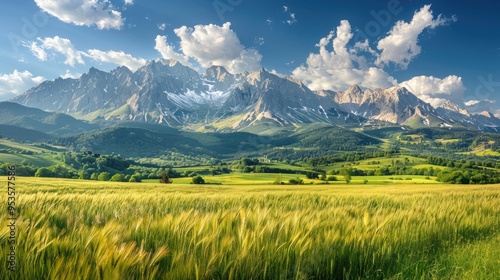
(436, 49)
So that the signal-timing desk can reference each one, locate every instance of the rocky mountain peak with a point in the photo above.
(487, 114)
(167, 62)
(354, 89)
(451, 106)
(121, 70)
(218, 73)
(259, 76)
(166, 91)
(93, 72)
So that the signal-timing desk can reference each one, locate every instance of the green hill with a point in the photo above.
(22, 134)
(36, 119)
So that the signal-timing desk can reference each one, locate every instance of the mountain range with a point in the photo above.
(167, 92)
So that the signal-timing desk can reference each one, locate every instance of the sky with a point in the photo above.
(439, 50)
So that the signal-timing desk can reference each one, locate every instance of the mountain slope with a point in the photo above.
(263, 96)
(394, 105)
(162, 91)
(169, 93)
(22, 134)
(45, 122)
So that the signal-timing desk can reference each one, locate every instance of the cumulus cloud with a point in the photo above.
(100, 13)
(341, 67)
(118, 58)
(217, 45)
(16, 83)
(59, 45)
(435, 90)
(401, 44)
(69, 75)
(38, 51)
(129, 2)
(168, 52)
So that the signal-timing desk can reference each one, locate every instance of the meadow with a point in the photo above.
(239, 178)
(75, 229)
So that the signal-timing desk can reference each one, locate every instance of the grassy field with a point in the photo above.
(74, 229)
(238, 178)
(368, 164)
(10, 151)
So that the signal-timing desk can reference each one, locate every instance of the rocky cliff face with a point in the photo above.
(265, 96)
(395, 105)
(167, 92)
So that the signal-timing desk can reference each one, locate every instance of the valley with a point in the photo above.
(215, 140)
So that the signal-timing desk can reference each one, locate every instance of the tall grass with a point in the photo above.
(88, 230)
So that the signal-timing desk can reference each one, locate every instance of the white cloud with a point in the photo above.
(274, 72)
(58, 45)
(477, 106)
(474, 102)
(162, 26)
(471, 102)
(69, 75)
(129, 2)
(401, 45)
(217, 45)
(168, 52)
(497, 113)
(292, 19)
(336, 69)
(37, 51)
(117, 57)
(16, 83)
(435, 90)
(84, 12)
(65, 47)
(259, 41)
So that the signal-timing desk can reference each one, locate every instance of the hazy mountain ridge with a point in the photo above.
(37, 121)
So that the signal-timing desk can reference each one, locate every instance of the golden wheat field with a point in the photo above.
(74, 229)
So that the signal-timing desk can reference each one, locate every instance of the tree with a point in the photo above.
(135, 178)
(277, 181)
(347, 177)
(94, 176)
(331, 178)
(197, 180)
(117, 178)
(44, 172)
(60, 171)
(312, 175)
(104, 176)
(83, 175)
(296, 181)
(165, 179)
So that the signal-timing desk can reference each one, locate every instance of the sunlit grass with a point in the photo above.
(74, 229)
(268, 178)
